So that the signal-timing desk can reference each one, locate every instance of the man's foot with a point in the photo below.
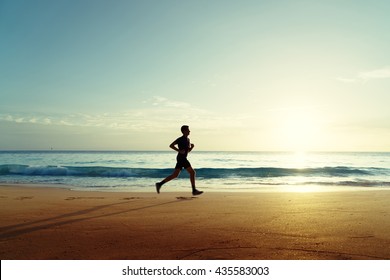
(196, 192)
(158, 187)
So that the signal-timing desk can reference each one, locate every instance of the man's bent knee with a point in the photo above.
(176, 173)
(191, 171)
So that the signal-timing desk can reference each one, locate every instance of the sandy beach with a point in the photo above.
(51, 223)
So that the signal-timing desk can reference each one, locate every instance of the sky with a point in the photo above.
(245, 75)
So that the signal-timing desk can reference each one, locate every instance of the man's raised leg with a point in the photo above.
(175, 173)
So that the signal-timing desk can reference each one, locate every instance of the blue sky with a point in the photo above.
(245, 75)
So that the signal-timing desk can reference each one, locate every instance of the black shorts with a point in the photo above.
(182, 162)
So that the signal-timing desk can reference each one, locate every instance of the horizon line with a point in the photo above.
(212, 151)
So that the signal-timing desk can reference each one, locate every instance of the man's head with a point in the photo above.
(185, 130)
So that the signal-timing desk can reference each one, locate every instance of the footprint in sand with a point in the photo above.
(24, 197)
(130, 198)
(185, 198)
(79, 197)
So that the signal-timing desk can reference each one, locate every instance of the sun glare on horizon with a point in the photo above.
(299, 131)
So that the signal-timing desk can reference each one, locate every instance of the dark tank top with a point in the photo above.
(183, 144)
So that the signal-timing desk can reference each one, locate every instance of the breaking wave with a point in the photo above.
(206, 173)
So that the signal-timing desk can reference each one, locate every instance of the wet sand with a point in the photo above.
(47, 223)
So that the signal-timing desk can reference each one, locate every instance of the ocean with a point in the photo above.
(216, 171)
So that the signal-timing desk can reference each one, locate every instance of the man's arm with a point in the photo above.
(173, 146)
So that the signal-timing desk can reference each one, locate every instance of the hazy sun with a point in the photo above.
(299, 131)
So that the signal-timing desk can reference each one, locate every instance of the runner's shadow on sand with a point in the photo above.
(73, 217)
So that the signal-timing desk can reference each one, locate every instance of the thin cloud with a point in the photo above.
(159, 115)
(346, 80)
(366, 76)
(383, 73)
(162, 101)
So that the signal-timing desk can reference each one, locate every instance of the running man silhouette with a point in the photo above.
(183, 148)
